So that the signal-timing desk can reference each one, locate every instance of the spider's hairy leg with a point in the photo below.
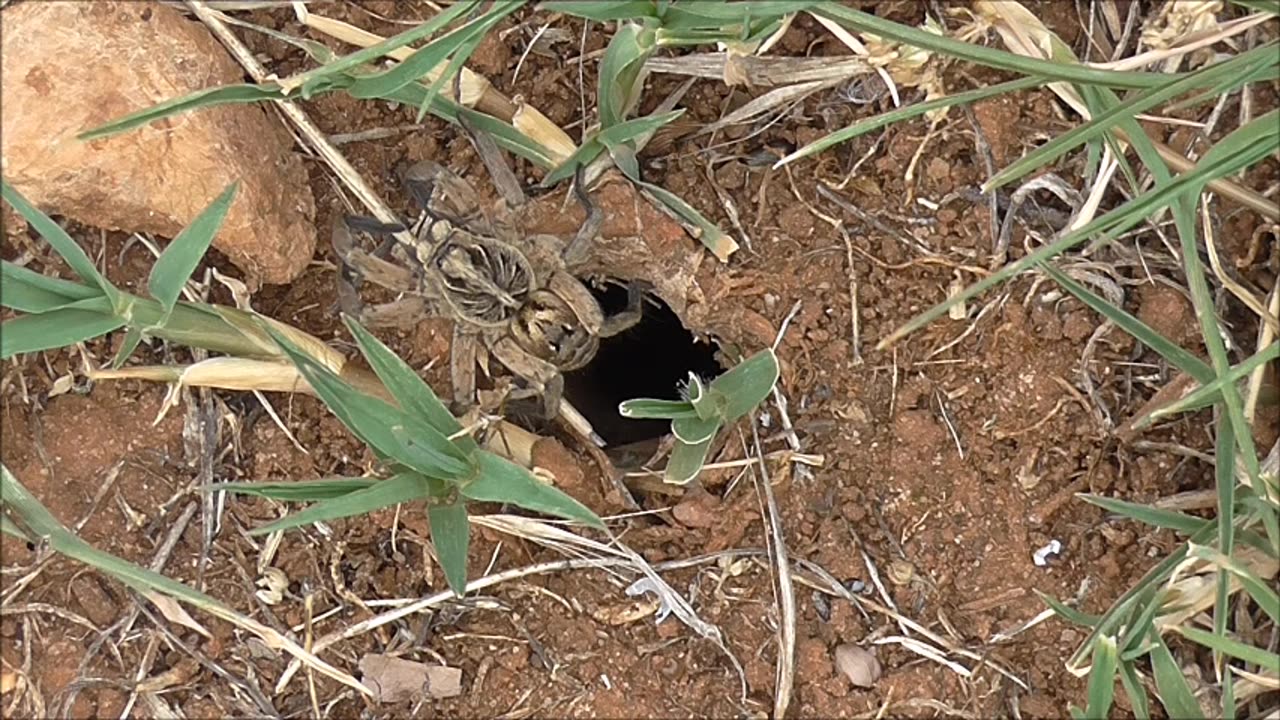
(462, 368)
(544, 378)
(443, 194)
(504, 179)
(629, 317)
(357, 265)
(579, 299)
(580, 246)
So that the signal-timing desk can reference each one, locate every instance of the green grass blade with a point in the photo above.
(889, 30)
(411, 391)
(43, 524)
(694, 430)
(402, 488)
(502, 481)
(602, 10)
(1250, 148)
(451, 534)
(1261, 592)
(1262, 6)
(53, 329)
(132, 337)
(66, 247)
(28, 291)
(1155, 517)
(1210, 393)
(686, 461)
(587, 152)
(722, 16)
(709, 234)
(430, 55)
(174, 266)
(620, 72)
(310, 79)
(1136, 691)
(629, 130)
(1225, 480)
(1102, 678)
(379, 424)
(9, 527)
(1177, 356)
(506, 136)
(747, 384)
(1140, 102)
(863, 127)
(1068, 613)
(1234, 648)
(650, 409)
(225, 95)
(297, 491)
(1171, 686)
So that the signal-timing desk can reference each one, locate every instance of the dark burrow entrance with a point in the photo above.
(649, 360)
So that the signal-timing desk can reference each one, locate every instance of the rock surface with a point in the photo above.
(70, 67)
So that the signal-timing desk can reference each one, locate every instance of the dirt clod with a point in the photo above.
(71, 67)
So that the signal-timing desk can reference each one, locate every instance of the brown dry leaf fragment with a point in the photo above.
(396, 680)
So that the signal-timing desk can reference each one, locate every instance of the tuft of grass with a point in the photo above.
(696, 420)
(424, 449)
(1239, 549)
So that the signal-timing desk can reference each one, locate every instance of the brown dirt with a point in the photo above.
(947, 467)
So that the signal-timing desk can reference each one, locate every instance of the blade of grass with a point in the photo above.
(28, 291)
(1225, 480)
(1116, 222)
(1153, 516)
(747, 384)
(1177, 356)
(132, 337)
(1262, 593)
(225, 95)
(62, 243)
(53, 329)
(297, 490)
(686, 461)
(890, 30)
(174, 266)
(1102, 678)
(502, 481)
(451, 536)
(310, 78)
(1136, 691)
(649, 409)
(1171, 686)
(1210, 393)
(402, 488)
(620, 71)
(42, 523)
(413, 394)
(602, 10)
(1139, 102)
(430, 55)
(1067, 612)
(376, 422)
(1225, 645)
(906, 113)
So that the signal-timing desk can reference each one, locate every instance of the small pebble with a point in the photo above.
(859, 665)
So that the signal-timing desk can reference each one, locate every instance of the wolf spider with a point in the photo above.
(508, 293)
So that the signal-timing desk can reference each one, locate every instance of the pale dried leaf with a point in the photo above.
(395, 680)
(174, 612)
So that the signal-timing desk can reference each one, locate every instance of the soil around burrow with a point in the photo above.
(948, 461)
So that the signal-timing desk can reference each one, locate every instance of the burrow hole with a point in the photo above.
(650, 360)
